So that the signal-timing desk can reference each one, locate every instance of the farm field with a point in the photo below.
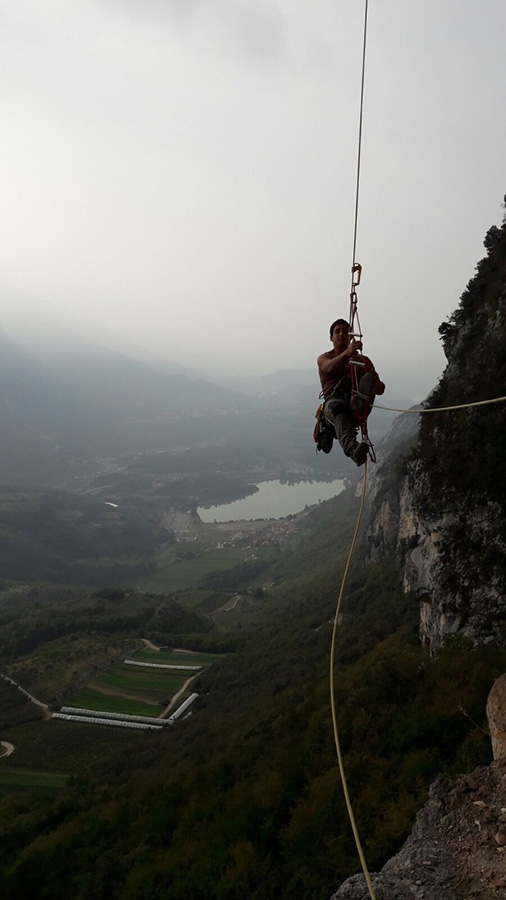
(91, 699)
(129, 689)
(74, 748)
(188, 572)
(135, 690)
(23, 780)
(146, 682)
(176, 657)
(67, 747)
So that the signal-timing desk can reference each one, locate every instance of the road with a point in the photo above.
(176, 696)
(43, 706)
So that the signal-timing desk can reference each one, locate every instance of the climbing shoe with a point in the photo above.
(360, 453)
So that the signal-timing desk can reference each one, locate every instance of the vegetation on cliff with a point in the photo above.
(460, 483)
(463, 450)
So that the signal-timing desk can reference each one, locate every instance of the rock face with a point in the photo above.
(452, 558)
(457, 850)
(438, 495)
(496, 715)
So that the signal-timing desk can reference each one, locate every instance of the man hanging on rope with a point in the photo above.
(343, 407)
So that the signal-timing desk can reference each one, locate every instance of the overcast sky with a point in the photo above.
(182, 172)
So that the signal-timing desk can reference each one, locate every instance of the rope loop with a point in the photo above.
(333, 700)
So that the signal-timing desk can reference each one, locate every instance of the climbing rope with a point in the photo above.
(355, 330)
(332, 697)
(430, 409)
(359, 150)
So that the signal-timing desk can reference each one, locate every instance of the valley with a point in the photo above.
(109, 575)
(67, 646)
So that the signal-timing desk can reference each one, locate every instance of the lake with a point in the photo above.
(273, 500)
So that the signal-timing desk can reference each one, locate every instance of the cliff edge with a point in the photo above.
(437, 499)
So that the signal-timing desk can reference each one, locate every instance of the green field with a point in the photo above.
(142, 681)
(166, 657)
(188, 572)
(22, 780)
(135, 690)
(57, 746)
(90, 699)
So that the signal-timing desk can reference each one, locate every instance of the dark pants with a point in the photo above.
(338, 414)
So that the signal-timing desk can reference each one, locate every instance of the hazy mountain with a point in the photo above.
(65, 398)
(12, 357)
(70, 396)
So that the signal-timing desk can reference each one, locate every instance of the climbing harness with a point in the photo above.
(360, 402)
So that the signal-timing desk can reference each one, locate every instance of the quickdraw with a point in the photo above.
(360, 403)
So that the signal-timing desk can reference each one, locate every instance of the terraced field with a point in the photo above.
(56, 746)
(129, 689)
(138, 690)
(176, 657)
(88, 698)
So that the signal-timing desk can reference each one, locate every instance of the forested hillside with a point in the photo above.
(245, 796)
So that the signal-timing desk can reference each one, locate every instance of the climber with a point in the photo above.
(342, 407)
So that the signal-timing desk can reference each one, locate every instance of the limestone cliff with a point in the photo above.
(437, 497)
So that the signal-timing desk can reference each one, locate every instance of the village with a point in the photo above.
(187, 527)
